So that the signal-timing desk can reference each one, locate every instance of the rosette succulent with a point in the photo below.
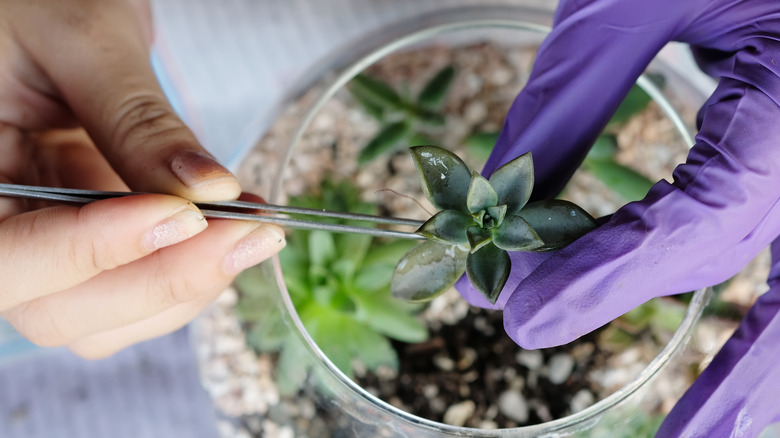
(479, 220)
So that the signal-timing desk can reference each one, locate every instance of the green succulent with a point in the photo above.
(405, 119)
(479, 220)
(340, 286)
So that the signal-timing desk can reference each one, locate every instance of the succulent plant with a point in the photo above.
(340, 286)
(479, 220)
(405, 119)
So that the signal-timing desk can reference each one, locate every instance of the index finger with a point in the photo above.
(97, 56)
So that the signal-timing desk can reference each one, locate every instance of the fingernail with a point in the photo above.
(263, 242)
(193, 168)
(181, 225)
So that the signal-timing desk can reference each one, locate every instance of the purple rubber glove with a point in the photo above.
(720, 211)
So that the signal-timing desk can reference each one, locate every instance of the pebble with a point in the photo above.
(444, 363)
(438, 405)
(467, 358)
(559, 368)
(488, 425)
(581, 400)
(531, 359)
(430, 390)
(459, 413)
(512, 404)
(475, 112)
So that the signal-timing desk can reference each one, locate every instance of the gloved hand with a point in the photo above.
(719, 212)
(80, 107)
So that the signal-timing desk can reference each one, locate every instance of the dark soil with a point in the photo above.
(475, 360)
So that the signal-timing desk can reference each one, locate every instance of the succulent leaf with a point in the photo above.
(604, 148)
(497, 214)
(626, 182)
(376, 91)
(514, 182)
(478, 237)
(427, 271)
(426, 116)
(479, 217)
(515, 234)
(445, 178)
(436, 89)
(635, 101)
(447, 226)
(387, 139)
(488, 270)
(481, 194)
(557, 222)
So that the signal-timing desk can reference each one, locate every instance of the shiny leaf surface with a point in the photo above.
(481, 194)
(488, 270)
(478, 237)
(447, 226)
(514, 182)
(427, 271)
(557, 222)
(445, 178)
(515, 234)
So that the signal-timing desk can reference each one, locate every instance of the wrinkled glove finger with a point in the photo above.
(650, 248)
(737, 394)
(582, 72)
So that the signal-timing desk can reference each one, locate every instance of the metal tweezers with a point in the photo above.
(232, 210)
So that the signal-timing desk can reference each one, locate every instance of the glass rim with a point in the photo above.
(588, 416)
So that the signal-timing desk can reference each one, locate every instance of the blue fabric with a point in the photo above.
(149, 390)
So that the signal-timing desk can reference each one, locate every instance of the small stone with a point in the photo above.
(444, 363)
(481, 324)
(488, 425)
(582, 352)
(500, 76)
(581, 400)
(559, 368)
(512, 404)
(475, 112)
(430, 390)
(437, 405)
(467, 358)
(457, 414)
(531, 359)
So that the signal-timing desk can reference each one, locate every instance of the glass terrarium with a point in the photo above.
(372, 366)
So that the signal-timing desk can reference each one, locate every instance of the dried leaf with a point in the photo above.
(445, 178)
(427, 271)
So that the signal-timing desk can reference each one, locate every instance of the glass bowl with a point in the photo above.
(352, 409)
